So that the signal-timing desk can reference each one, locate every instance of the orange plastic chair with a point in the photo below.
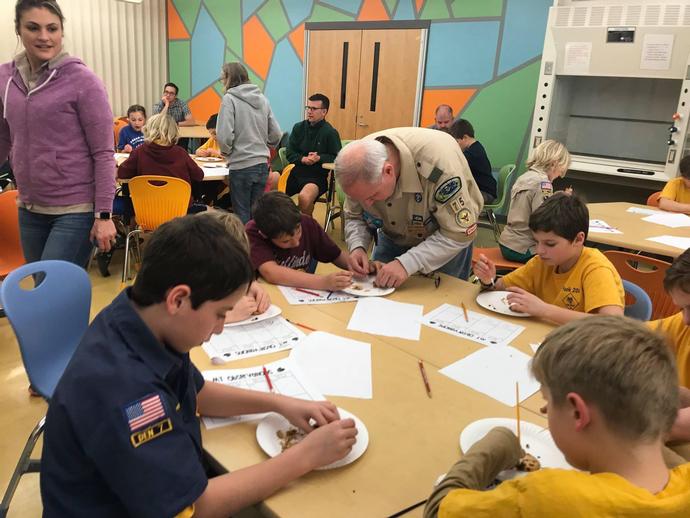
(118, 124)
(11, 254)
(653, 200)
(650, 279)
(156, 199)
(494, 254)
(282, 181)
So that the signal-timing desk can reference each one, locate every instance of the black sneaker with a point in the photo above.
(103, 260)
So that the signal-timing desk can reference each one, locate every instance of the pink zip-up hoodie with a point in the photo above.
(58, 136)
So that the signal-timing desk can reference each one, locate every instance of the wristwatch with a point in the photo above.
(103, 215)
(488, 286)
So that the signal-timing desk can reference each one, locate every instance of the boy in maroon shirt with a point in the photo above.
(286, 245)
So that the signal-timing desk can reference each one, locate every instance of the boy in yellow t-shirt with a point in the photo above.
(610, 389)
(565, 280)
(676, 329)
(676, 194)
(211, 146)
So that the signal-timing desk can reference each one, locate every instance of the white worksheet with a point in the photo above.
(481, 328)
(237, 342)
(286, 377)
(493, 371)
(669, 219)
(296, 297)
(599, 226)
(380, 316)
(642, 210)
(677, 242)
(337, 366)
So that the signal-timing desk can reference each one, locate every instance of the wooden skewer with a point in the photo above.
(517, 409)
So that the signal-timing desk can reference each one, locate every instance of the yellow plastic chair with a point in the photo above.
(156, 199)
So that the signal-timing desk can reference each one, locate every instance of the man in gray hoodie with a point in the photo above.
(246, 127)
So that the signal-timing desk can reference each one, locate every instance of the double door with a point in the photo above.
(373, 77)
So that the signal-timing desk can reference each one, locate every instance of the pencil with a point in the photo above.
(308, 292)
(517, 408)
(424, 378)
(301, 325)
(464, 310)
(268, 379)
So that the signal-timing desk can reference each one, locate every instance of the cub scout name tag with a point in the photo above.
(153, 431)
(147, 418)
(447, 189)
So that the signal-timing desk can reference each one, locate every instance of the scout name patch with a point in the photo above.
(150, 433)
(448, 189)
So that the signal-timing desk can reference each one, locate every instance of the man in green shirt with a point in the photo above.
(313, 142)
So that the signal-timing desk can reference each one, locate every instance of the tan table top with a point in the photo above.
(634, 230)
(413, 438)
(197, 131)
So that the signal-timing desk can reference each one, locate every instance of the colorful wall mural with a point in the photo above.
(483, 56)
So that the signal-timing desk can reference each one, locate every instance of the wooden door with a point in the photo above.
(388, 79)
(333, 70)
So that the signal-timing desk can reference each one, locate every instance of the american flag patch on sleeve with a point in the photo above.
(145, 411)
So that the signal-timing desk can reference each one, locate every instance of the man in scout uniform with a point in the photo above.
(412, 189)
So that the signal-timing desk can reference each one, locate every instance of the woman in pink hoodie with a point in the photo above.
(56, 126)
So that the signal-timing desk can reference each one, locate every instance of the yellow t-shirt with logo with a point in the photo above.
(676, 190)
(592, 283)
(678, 335)
(569, 494)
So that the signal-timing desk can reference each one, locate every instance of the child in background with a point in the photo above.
(676, 329)
(286, 245)
(131, 137)
(565, 280)
(159, 154)
(548, 161)
(256, 301)
(132, 385)
(211, 146)
(611, 397)
(676, 194)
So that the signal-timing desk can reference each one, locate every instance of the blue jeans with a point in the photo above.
(459, 266)
(65, 236)
(246, 185)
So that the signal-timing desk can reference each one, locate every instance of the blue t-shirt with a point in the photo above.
(122, 436)
(129, 135)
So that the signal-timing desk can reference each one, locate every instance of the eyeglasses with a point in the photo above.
(168, 92)
(312, 108)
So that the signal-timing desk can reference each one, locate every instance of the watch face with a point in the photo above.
(104, 215)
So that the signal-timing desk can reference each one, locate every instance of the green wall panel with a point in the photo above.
(179, 67)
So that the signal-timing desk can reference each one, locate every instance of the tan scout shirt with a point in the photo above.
(434, 207)
(528, 193)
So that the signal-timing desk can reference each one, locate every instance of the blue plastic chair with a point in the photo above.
(49, 321)
(641, 308)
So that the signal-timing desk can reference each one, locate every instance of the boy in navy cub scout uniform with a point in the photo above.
(122, 432)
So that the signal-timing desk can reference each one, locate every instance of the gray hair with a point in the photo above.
(360, 160)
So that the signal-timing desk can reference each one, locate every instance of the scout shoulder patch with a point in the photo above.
(144, 411)
(462, 218)
(151, 432)
(447, 189)
(435, 175)
(546, 187)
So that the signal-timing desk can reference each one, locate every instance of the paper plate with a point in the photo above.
(209, 159)
(534, 440)
(272, 311)
(266, 436)
(365, 288)
(496, 301)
